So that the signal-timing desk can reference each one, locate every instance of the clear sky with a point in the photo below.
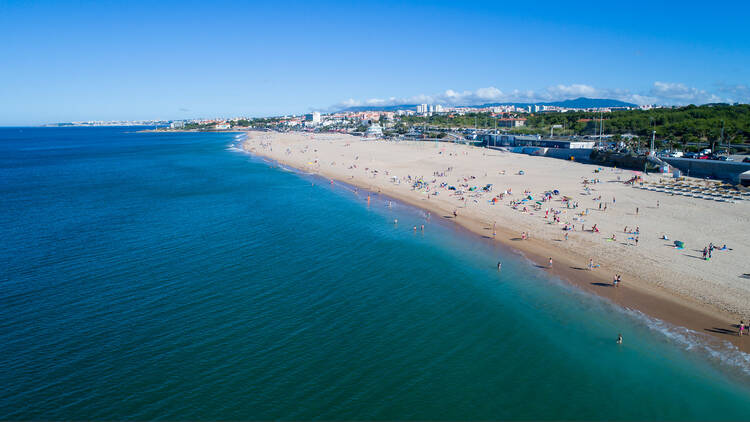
(103, 60)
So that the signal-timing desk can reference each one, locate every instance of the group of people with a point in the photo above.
(708, 250)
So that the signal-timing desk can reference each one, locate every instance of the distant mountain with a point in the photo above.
(581, 102)
(358, 109)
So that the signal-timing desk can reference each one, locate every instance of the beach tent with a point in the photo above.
(556, 192)
(679, 244)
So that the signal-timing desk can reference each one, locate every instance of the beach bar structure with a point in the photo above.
(504, 140)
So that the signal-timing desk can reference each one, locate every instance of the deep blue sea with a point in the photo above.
(171, 276)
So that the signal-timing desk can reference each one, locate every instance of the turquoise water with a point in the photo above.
(170, 276)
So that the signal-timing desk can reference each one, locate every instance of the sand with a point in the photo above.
(668, 283)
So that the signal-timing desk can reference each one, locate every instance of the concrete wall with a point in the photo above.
(724, 170)
(578, 154)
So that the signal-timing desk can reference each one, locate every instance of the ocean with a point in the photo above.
(172, 276)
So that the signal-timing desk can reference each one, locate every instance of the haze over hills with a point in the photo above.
(581, 102)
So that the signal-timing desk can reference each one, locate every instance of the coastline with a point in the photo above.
(636, 293)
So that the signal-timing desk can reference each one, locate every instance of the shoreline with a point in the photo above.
(632, 294)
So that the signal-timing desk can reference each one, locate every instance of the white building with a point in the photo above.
(316, 118)
(374, 131)
(438, 108)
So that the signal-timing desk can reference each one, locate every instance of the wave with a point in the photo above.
(718, 351)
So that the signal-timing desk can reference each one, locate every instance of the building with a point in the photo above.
(439, 108)
(222, 126)
(374, 131)
(177, 124)
(511, 122)
(422, 109)
(501, 140)
(315, 118)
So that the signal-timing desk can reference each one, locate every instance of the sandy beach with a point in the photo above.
(676, 285)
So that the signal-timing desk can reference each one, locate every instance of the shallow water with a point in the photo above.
(170, 276)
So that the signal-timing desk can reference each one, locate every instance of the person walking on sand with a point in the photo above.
(550, 262)
(591, 264)
(614, 281)
(742, 328)
(636, 210)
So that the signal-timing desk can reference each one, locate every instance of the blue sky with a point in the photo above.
(66, 61)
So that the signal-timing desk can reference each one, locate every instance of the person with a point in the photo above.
(636, 210)
(614, 281)
(705, 252)
(742, 328)
(636, 241)
(566, 235)
(395, 221)
(499, 265)
(657, 204)
(550, 262)
(591, 264)
(619, 279)
(619, 338)
(455, 214)
(422, 227)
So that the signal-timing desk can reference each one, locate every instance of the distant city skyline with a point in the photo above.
(68, 61)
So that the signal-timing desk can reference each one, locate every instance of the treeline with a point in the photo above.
(685, 125)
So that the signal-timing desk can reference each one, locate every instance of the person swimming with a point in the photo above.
(619, 338)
